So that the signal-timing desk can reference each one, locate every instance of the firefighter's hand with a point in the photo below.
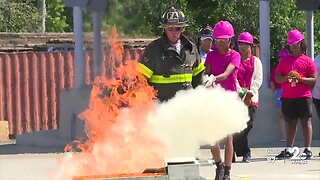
(208, 80)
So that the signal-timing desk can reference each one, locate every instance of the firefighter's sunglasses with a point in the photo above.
(171, 29)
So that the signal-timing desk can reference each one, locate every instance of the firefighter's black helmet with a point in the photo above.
(173, 18)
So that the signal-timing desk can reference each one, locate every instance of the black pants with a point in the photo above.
(240, 140)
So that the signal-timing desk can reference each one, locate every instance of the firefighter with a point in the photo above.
(172, 62)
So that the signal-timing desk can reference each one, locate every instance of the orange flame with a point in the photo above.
(120, 139)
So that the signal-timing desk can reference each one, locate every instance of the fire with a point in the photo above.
(120, 138)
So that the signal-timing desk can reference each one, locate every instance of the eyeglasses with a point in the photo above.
(244, 45)
(296, 45)
(171, 29)
(221, 40)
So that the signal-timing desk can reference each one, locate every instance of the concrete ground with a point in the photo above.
(263, 166)
(20, 162)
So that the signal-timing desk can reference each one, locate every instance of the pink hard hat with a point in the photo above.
(294, 37)
(283, 53)
(223, 29)
(245, 37)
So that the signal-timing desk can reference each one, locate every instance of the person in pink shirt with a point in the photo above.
(221, 67)
(297, 74)
(277, 90)
(249, 79)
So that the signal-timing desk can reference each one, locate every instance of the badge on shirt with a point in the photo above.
(163, 57)
(145, 59)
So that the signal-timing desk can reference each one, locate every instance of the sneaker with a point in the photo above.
(219, 174)
(281, 155)
(308, 153)
(226, 177)
(284, 154)
(246, 158)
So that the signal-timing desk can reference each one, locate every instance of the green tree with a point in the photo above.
(19, 17)
(283, 17)
(141, 18)
(235, 11)
(24, 16)
(316, 33)
(138, 17)
(244, 16)
(55, 19)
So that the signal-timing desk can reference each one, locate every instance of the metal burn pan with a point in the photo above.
(175, 169)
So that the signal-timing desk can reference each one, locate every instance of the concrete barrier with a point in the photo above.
(72, 103)
(4, 130)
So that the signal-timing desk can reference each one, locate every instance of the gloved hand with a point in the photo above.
(208, 80)
(293, 78)
(295, 75)
(246, 96)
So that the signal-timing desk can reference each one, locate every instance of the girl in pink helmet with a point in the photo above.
(249, 79)
(297, 74)
(221, 67)
(277, 91)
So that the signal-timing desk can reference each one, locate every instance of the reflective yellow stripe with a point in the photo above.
(145, 70)
(198, 69)
(176, 78)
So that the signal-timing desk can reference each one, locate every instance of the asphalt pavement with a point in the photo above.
(20, 162)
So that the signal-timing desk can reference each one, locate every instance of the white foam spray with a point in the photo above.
(196, 117)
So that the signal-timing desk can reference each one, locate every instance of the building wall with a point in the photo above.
(30, 84)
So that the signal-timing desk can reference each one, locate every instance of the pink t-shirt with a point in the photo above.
(218, 64)
(305, 67)
(245, 73)
(273, 79)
